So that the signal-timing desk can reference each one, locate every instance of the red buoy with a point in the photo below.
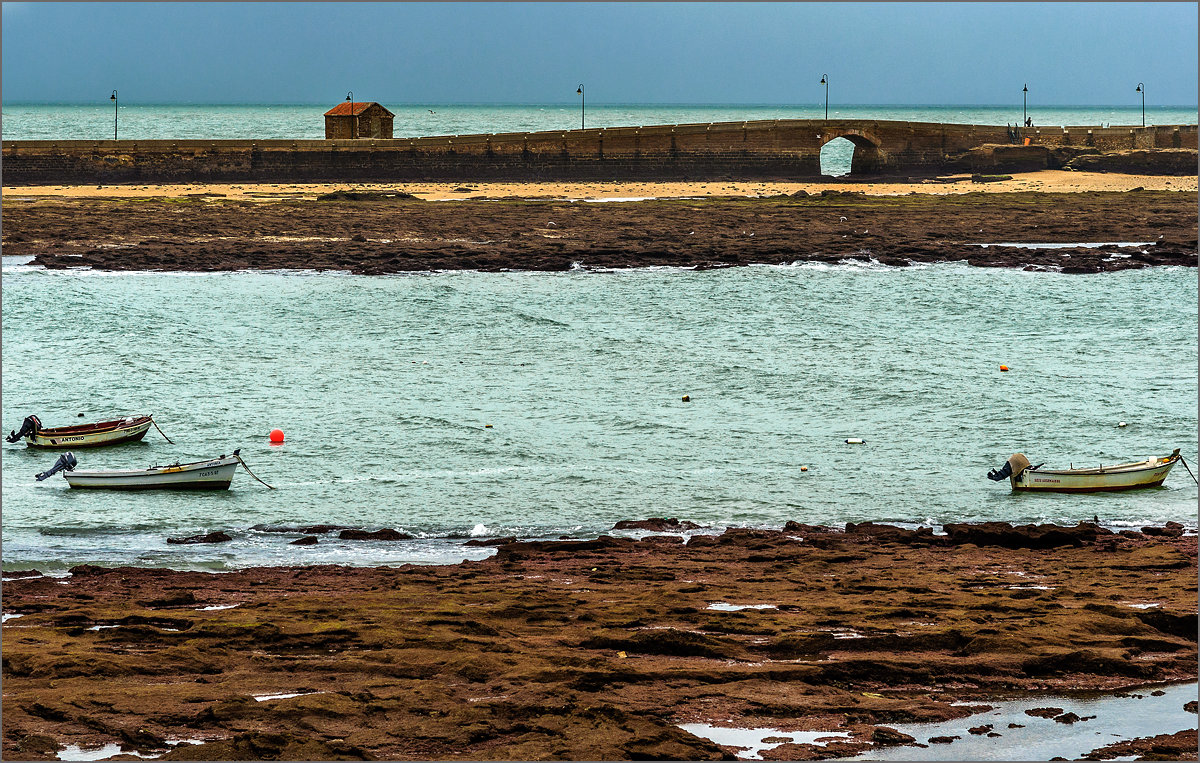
(276, 436)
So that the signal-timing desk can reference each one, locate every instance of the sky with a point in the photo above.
(626, 53)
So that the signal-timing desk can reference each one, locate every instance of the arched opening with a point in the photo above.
(849, 155)
(836, 157)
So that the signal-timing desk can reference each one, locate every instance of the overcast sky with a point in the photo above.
(704, 53)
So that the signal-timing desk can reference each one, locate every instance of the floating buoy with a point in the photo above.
(803, 468)
(276, 436)
(855, 441)
(1122, 424)
(687, 398)
(487, 426)
(1003, 368)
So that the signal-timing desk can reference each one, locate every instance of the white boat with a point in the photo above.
(1128, 476)
(213, 474)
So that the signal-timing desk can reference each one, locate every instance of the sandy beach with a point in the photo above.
(596, 649)
(1055, 181)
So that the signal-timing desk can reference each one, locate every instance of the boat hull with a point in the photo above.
(1095, 480)
(216, 474)
(127, 430)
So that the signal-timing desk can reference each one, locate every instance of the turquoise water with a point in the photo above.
(201, 121)
(385, 387)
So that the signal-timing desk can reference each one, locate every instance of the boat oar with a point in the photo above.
(1185, 466)
(168, 439)
(237, 455)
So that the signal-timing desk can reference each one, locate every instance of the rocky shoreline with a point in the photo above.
(382, 232)
(598, 648)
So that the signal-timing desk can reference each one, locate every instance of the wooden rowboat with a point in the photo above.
(1135, 474)
(213, 474)
(128, 429)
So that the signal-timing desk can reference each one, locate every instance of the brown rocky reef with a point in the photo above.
(391, 235)
(594, 649)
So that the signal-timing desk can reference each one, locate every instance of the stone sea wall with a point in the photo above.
(776, 149)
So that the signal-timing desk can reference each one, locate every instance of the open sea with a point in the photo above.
(386, 386)
(28, 121)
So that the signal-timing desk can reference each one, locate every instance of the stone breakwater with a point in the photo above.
(377, 233)
(595, 648)
(784, 148)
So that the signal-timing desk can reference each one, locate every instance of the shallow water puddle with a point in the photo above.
(1117, 719)
(266, 697)
(754, 740)
(217, 606)
(75, 752)
(721, 606)
(1080, 244)
(8, 616)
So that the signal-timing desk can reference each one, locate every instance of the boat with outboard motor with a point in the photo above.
(128, 429)
(211, 474)
(1136, 474)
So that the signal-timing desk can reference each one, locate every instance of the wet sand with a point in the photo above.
(381, 232)
(595, 649)
(1047, 181)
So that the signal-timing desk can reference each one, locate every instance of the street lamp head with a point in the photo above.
(823, 82)
(579, 91)
(1025, 89)
(1139, 88)
(113, 97)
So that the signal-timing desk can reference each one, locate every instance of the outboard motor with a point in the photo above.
(65, 461)
(1001, 474)
(29, 426)
(1013, 467)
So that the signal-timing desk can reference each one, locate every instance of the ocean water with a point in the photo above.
(385, 387)
(23, 121)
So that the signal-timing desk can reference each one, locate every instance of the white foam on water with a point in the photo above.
(752, 739)
(8, 617)
(479, 530)
(217, 606)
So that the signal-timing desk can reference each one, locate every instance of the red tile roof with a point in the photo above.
(348, 109)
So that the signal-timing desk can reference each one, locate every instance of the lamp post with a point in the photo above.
(113, 98)
(825, 82)
(354, 117)
(1143, 92)
(582, 105)
(1024, 105)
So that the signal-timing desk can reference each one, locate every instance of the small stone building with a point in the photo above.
(358, 120)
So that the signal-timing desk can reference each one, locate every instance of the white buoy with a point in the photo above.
(1122, 424)
(855, 441)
